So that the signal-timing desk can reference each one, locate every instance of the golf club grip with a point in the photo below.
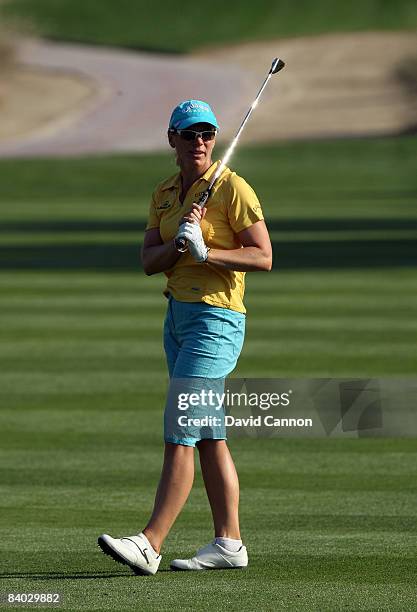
(181, 243)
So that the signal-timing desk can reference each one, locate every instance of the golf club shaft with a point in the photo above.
(232, 146)
(276, 66)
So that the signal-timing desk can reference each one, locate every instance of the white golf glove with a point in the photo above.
(196, 245)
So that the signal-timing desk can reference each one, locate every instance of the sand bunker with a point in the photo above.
(72, 99)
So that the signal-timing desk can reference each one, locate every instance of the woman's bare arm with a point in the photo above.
(256, 254)
(157, 256)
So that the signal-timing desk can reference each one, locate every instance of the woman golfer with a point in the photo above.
(203, 336)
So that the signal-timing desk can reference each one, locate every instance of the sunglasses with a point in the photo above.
(191, 135)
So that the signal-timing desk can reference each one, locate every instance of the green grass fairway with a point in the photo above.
(330, 524)
(169, 27)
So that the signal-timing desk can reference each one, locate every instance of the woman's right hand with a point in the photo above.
(195, 215)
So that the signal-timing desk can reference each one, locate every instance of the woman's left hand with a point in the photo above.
(196, 245)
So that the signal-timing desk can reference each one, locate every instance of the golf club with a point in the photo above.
(276, 66)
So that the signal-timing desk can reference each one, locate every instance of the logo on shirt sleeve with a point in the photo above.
(164, 205)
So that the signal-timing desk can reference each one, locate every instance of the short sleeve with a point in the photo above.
(153, 219)
(244, 208)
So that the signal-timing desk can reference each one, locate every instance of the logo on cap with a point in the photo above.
(192, 111)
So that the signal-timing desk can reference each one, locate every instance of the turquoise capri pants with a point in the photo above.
(202, 345)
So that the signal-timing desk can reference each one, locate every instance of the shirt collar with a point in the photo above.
(175, 181)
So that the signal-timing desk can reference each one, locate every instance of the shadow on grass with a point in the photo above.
(287, 255)
(73, 575)
(339, 251)
(355, 567)
(283, 225)
(63, 575)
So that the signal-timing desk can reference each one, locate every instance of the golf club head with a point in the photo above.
(277, 65)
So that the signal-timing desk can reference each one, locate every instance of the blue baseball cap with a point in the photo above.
(189, 112)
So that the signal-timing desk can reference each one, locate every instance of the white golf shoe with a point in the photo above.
(134, 551)
(211, 557)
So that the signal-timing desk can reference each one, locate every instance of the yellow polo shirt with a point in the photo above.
(231, 208)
